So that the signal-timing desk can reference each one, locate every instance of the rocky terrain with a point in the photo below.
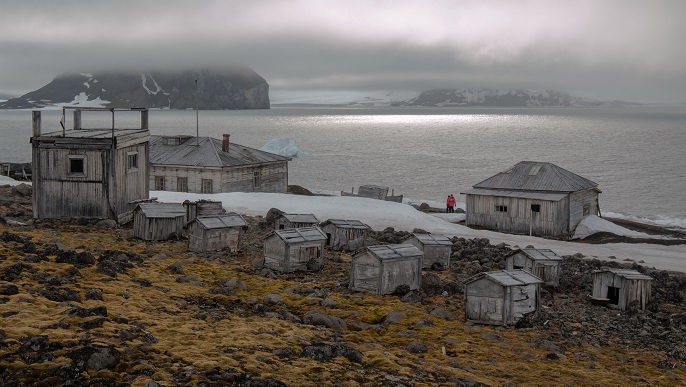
(85, 303)
(223, 89)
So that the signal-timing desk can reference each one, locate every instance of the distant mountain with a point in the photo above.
(504, 98)
(216, 89)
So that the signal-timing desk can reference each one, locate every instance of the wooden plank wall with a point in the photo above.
(364, 273)
(400, 272)
(275, 251)
(551, 221)
(577, 202)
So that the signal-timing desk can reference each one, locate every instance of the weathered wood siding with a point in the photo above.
(435, 254)
(364, 273)
(204, 240)
(195, 176)
(275, 253)
(400, 272)
(129, 185)
(552, 220)
(485, 302)
(548, 271)
(629, 289)
(582, 203)
(156, 229)
(524, 300)
(348, 239)
(283, 223)
(202, 208)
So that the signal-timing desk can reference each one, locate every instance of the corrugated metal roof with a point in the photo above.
(221, 221)
(508, 277)
(207, 153)
(542, 254)
(302, 234)
(348, 224)
(626, 273)
(537, 176)
(301, 218)
(162, 210)
(550, 196)
(395, 251)
(433, 239)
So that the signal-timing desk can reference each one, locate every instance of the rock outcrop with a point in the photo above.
(225, 89)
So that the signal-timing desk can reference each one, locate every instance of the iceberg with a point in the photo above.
(283, 146)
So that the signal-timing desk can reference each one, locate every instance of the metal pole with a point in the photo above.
(197, 130)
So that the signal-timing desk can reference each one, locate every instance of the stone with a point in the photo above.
(417, 347)
(394, 317)
(444, 314)
(273, 299)
(322, 319)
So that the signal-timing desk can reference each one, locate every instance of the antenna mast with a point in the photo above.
(197, 130)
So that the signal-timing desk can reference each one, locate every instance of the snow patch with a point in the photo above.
(592, 224)
(144, 79)
(82, 100)
(6, 180)
(283, 146)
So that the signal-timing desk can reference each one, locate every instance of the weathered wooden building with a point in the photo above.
(381, 269)
(345, 235)
(436, 249)
(210, 165)
(374, 192)
(158, 221)
(534, 198)
(216, 232)
(543, 263)
(200, 208)
(89, 173)
(501, 297)
(294, 249)
(284, 221)
(620, 287)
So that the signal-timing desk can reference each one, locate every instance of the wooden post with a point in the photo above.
(36, 118)
(77, 119)
(144, 119)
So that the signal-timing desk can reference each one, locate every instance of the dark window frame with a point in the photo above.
(500, 208)
(76, 166)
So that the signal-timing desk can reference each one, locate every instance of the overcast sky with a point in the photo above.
(629, 50)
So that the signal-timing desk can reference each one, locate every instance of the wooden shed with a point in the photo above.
(96, 173)
(381, 269)
(501, 297)
(295, 221)
(622, 286)
(436, 249)
(216, 232)
(158, 221)
(532, 198)
(345, 235)
(202, 207)
(294, 249)
(543, 263)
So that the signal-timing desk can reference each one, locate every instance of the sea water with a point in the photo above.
(637, 155)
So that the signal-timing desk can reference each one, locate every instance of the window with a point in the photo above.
(77, 165)
(257, 179)
(206, 186)
(500, 208)
(182, 184)
(132, 161)
(535, 208)
(159, 183)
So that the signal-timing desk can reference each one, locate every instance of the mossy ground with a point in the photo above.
(239, 338)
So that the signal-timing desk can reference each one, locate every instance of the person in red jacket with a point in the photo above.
(450, 204)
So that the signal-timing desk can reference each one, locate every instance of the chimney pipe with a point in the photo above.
(36, 118)
(225, 142)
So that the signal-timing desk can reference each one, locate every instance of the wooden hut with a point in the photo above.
(501, 297)
(284, 221)
(89, 173)
(200, 208)
(381, 269)
(436, 249)
(294, 249)
(158, 221)
(210, 165)
(215, 232)
(543, 263)
(532, 198)
(620, 287)
(345, 235)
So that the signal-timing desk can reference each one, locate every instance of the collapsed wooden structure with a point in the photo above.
(203, 207)
(501, 297)
(294, 249)
(284, 221)
(381, 269)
